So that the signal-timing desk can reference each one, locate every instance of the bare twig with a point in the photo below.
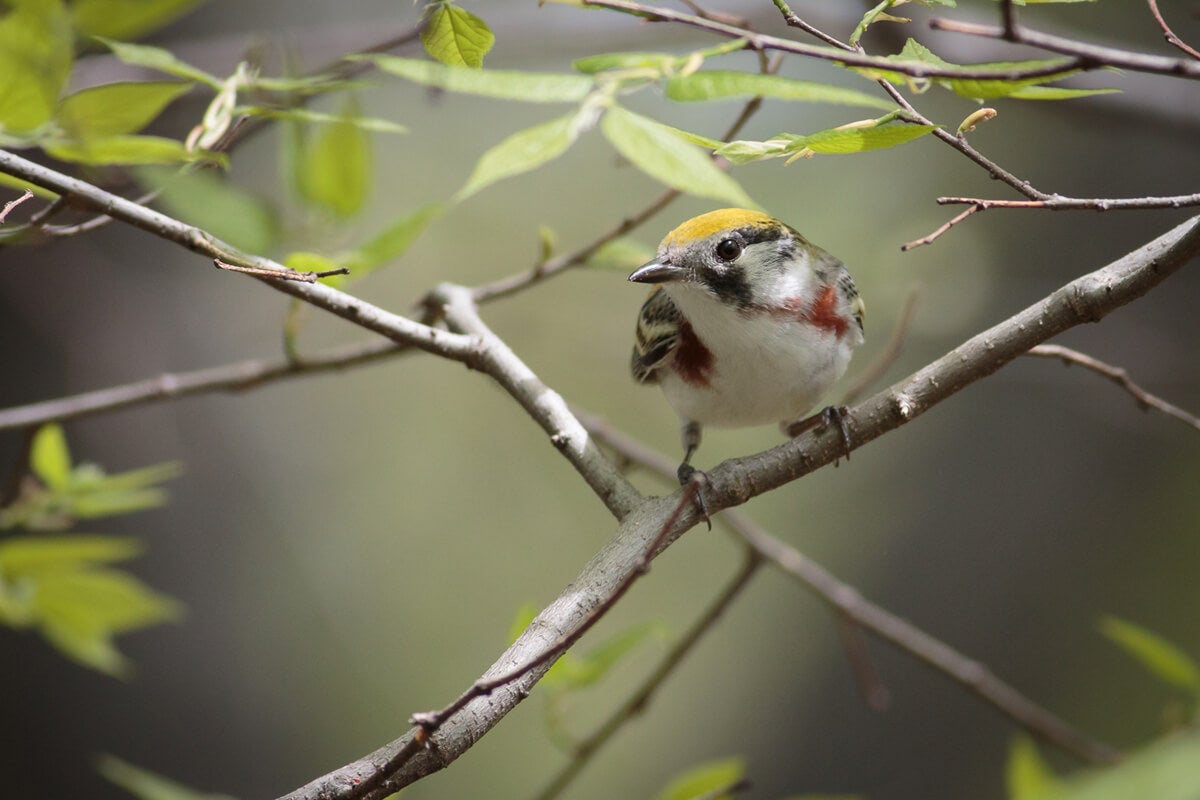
(284, 274)
(871, 688)
(11, 204)
(236, 377)
(1086, 55)
(929, 239)
(891, 351)
(851, 605)
(1117, 375)
(585, 750)
(1061, 203)
(794, 21)
(1169, 34)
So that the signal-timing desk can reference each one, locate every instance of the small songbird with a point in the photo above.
(751, 323)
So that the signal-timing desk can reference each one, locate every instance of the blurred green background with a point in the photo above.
(353, 547)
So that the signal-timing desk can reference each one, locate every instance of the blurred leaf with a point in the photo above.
(336, 169)
(718, 84)
(210, 202)
(1158, 656)
(533, 87)
(391, 243)
(25, 555)
(1056, 93)
(36, 52)
(50, 458)
(621, 255)
(303, 261)
(146, 785)
(116, 108)
(662, 153)
(580, 671)
(455, 36)
(156, 58)
(874, 15)
(1026, 775)
(658, 62)
(704, 780)
(81, 611)
(521, 152)
(126, 19)
(308, 115)
(1167, 769)
(303, 84)
(21, 185)
(129, 150)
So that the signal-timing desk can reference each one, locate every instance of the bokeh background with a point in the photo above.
(354, 547)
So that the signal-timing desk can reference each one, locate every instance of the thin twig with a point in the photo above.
(280, 274)
(871, 688)
(11, 204)
(847, 601)
(891, 351)
(794, 21)
(1169, 34)
(1061, 203)
(1087, 55)
(235, 377)
(924, 240)
(1117, 375)
(585, 750)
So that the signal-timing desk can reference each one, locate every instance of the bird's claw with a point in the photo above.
(694, 481)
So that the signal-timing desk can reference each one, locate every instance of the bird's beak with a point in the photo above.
(658, 271)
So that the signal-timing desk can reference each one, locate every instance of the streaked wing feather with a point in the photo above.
(656, 337)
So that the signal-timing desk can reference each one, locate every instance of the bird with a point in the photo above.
(749, 323)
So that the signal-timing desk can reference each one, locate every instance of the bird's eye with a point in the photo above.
(728, 250)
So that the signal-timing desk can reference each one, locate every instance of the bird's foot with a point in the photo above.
(694, 481)
(828, 417)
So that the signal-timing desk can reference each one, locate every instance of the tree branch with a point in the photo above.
(1117, 375)
(1089, 56)
(479, 349)
(848, 602)
(236, 377)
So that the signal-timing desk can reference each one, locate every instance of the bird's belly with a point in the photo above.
(765, 376)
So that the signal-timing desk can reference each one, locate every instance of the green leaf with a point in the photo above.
(704, 780)
(577, 672)
(81, 611)
(25, 555)
(621, 255)
(1056, 93)
(455, 36)
(128, 150)
(917, 54)
(858, 140)
(662, 153)
(116, 108)
(156, 58)
(521, 152)
(1158, 656)
(656, 62)
(304, 261)
(146, 785)
(321, 117)
(1027, 776)
(718, 84)
(209, 201)
(127, 19)
(36, 52)
(392, 242)
(336, 170)
(1167, 769)
(532, 87)
(21, 185)
(875, 14)
(50, 458)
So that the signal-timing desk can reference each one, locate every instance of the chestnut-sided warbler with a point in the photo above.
(751, 324)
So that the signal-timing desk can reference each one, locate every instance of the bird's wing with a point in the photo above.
(656, 337)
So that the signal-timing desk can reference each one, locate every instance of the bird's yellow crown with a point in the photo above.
(706, 225)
